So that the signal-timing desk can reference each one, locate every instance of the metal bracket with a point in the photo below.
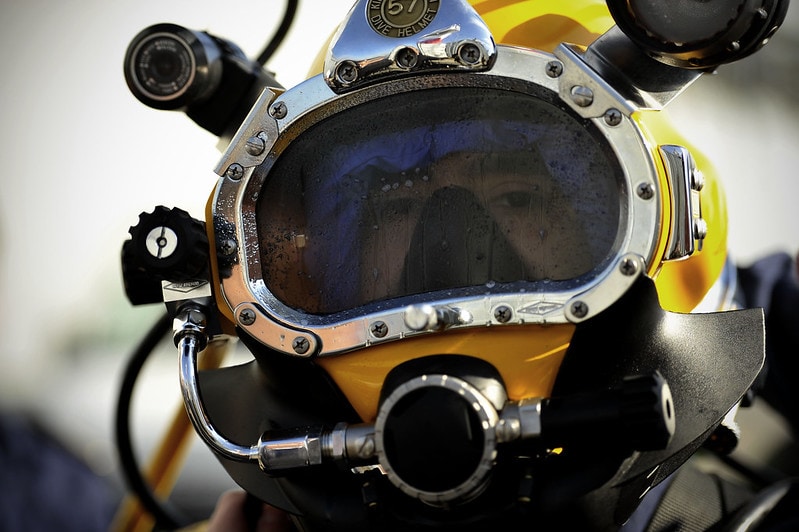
(688, 229)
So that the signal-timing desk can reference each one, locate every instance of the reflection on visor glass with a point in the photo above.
(436, 190)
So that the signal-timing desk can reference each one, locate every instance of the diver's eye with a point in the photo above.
(516, 199)
(513, 197)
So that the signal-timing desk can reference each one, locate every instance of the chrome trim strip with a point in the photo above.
(686, 216)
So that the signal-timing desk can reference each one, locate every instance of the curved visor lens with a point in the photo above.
(436, 190)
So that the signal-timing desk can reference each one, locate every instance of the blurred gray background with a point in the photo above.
(82, 158)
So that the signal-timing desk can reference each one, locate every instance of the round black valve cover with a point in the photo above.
(167, 244)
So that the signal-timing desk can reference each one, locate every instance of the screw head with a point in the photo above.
(613, 117)
(379, 329)
(579, 309)
(697, 180)
(227, 247)
(554, 69)
(300, 345)
(255, 145)
(700, 229)
(503, 314)
(161, 242)
(347, 72)
(582, 96)
(645, 191)
(278, 110)
(235, 171)
(628, 267)
(469, 54)
(247, 317)
(407, 58)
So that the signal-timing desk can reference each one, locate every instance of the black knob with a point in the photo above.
(638, 414)
(166, 245)
(647, 412)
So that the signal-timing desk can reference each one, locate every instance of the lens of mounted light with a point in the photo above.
(169, 67)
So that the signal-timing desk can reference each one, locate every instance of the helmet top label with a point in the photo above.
(401, 18)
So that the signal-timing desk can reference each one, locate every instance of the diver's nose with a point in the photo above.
(457, 242)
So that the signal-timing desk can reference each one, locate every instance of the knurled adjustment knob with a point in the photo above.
(647, 412)
(167, 244)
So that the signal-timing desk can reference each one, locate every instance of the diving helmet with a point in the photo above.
(481, 276)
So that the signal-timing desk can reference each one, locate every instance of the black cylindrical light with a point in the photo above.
(699, 34)
(170, 67)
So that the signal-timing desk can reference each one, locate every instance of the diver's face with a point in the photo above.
(473, 218)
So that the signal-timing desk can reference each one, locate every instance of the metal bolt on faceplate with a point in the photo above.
(278, 110)
(347, 72)
(613, 117)
(582, 96)
(247, 317)
(628, 267)
(379, 329)
(645, 191)
(503, 314)
(700, 229)
(697, 180)
(255, 145)
(235, 171)
(554, 69)
(300, 345)
(407, 58)
(579, 309)
(227, 247)
(469, 54)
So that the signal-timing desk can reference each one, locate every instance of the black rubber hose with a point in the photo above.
(280, 33)
(165, 518)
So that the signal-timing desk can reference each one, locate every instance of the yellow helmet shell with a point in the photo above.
(544, 24)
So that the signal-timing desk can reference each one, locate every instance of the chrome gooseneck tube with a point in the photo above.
(190, 338)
